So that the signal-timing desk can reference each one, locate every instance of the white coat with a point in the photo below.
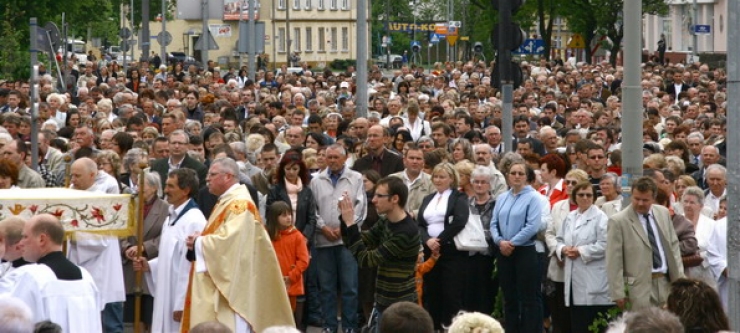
(585, 275)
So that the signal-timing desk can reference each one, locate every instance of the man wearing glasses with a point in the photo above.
(596, 163)
(392, 245)
(236, 279)
(178, 146)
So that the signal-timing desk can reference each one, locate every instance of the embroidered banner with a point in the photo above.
(111, 214)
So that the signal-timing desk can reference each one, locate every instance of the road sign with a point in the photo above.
(415, 42)
(576, 42)
(440, 28)
(531, 46)
(436, 38)
(451, 31)
(206, 38)
(451, 40)
(702, 29)
(465, 38)
(164, 38)
(124, 33)
(455, 24)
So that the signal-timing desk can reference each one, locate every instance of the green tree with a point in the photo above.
(14, 63)
(525, 17)
(603, 17)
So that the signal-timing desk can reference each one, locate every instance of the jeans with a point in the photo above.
(519, 275)
(313, 294)
(337, 267)
(112, 317)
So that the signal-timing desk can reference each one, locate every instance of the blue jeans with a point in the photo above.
(337, 267)
(112, 317)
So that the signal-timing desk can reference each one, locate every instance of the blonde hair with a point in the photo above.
(474, 322)
(447, 168)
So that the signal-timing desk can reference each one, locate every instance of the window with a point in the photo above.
(345, 4)
(334, 39)
(281, 40)
(345, 39)
(308, 5)
(297, 4)
(322, 39)
(322, 6)
(309, 40)
(281, 4)
(297, 39)
(333, 4)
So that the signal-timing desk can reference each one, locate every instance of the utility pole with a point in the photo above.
(508, 37)
(146, 40)
(733, 161)
(388, 63)
(361, 83)
(694, 36)
(163, 45)
(632, 97)
(34, 93)
(287, 33)
(252, 44)
(205, 36)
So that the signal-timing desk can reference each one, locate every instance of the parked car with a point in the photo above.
(396, 60)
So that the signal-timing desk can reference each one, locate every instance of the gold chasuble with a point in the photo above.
(243, 276)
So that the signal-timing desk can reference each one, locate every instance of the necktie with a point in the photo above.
(696, 160)
(657, 262)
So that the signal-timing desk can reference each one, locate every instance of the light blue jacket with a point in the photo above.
(517, 218)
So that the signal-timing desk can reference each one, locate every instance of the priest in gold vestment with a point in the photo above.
(235, 278)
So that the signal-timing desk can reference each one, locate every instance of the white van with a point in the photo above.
(77, 47)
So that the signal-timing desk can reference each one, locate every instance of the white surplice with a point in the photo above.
(717, 257)
(168, 276)
(101, 256)
(73, 304)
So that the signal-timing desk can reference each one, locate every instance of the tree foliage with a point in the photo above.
(603, 17)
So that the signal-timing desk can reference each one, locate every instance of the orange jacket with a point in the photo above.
(422, 269)
(292, 254)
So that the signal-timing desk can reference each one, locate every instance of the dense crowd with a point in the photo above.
(561, 241)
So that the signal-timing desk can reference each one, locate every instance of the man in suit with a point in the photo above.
(642, 250)
(178, 143)
(677, 87)
(380, 159)
(521, 131)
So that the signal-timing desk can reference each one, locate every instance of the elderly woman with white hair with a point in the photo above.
(56, 105)
(482, 289)
(692, 201)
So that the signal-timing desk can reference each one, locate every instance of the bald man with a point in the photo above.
(100, 254)
(86, 176)
(55, 289)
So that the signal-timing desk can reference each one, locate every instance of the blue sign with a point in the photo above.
(701, 29)
(414, 42)
(435, 38)
(531, 46)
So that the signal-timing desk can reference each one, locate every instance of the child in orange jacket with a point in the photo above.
(423, 267)
(291, 249)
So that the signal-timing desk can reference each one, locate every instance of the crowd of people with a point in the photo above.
(361, 208)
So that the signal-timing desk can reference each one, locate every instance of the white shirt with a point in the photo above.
(711, 201)
(663, 265)
(435, 213)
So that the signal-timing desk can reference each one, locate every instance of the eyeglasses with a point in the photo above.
(378, 195)
(515, 173)
(214, 174)
(571, 182)
(585, 195)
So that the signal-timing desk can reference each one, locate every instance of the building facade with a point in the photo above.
(319, 30)
(677, 26)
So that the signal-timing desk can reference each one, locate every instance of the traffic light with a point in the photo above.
(415, 48)
(507, 36)
(478, 47)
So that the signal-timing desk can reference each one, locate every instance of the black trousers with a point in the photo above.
(519, 275)
(444, 289)
(481, 287)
